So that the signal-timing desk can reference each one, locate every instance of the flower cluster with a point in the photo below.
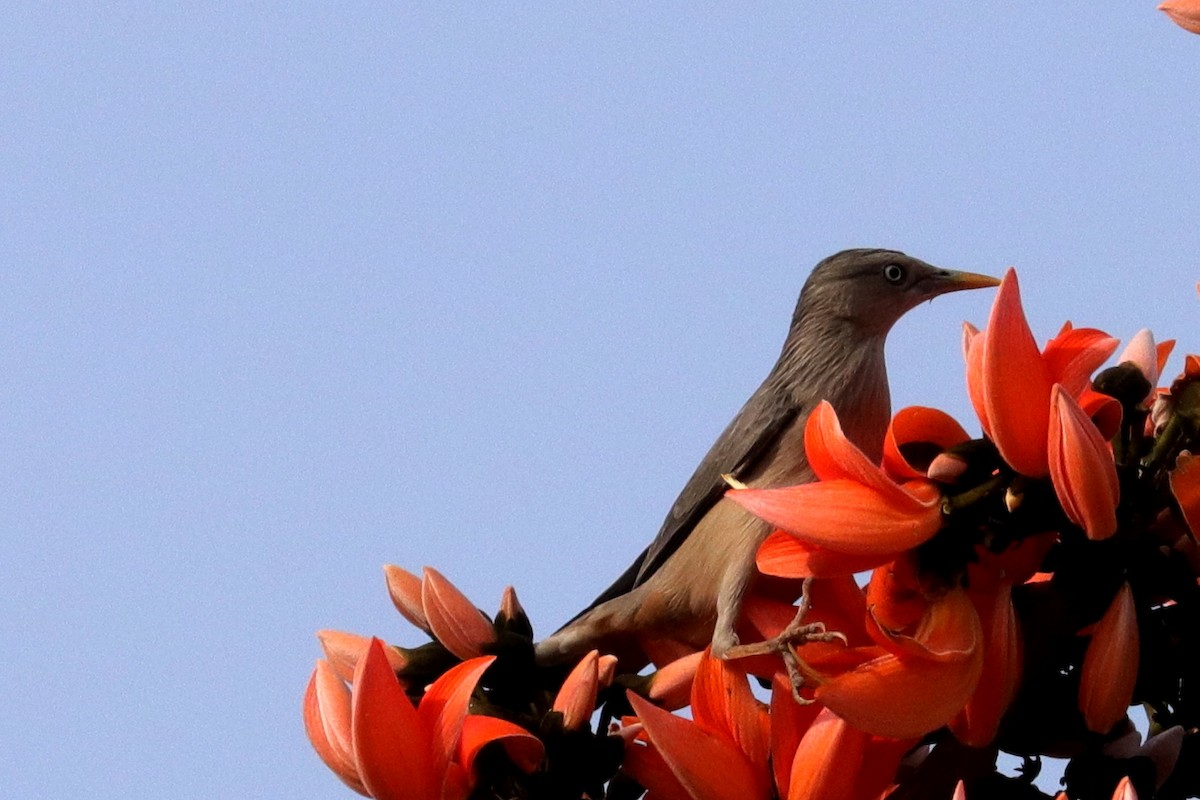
(1013, 592)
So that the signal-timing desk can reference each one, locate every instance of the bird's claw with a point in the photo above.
(797, 633)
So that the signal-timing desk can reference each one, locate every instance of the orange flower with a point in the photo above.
(373, 738)
(836, 761)
(855, 508)
(916, 680)
(1081, 468)
(720, 754)
(1010, 380)
(1110, 665)
(1184, 13)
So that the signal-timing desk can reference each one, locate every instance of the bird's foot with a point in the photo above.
(797, 633)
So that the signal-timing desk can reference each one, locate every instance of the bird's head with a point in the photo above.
(871, 289)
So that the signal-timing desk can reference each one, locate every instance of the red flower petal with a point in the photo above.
(671, 685)
(918, 425)
(905, 696)
(390, 747)
(1184, 13)
(648, 768)
(722, 703)
(327, 723)
(343, 651)
(828, 759)
(522, 747)
(947, 629)
(444, 707)
(706, 765)
(973, 356)
(789, 722)
(1081, 468)
(1073, 355)
(834, 457)
(1125, 790)
(1016, 384)
(785, 556)
(847, 516)
(1110, 665)
(576, 698)
(454, 621)
(980, 719)
(405, 590)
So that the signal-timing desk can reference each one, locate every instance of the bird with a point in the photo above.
(685, 590)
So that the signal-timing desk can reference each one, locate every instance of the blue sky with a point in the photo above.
(292, 291)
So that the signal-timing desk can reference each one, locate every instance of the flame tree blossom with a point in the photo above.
(1014, 592)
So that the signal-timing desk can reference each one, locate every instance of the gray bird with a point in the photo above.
(686, 588)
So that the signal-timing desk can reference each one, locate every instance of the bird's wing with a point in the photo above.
(750, 436)
(744, 442)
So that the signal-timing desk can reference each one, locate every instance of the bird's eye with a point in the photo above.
(894, 274)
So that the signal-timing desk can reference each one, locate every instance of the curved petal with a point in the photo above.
(1074, 355)
(918, 428)
(444, 707)
(671, 684)
(522, 747)
(1164, 349)
(405, 590)
(880, 763)
(834, 457)
(1081, 468)
(648, 768)
(453, 619)
(576, 698)
(848, 516)
(343, 651)
(1110, 665)
(1184, 13)
(828, 759)
(789, 722)
(1104, 411)
(947, 630)
(973, 357)
(706, 765)
(327, 723)
(784, 556)
(1016, 384)
(722, 703)
(390, 747)
(901, 698)
(895, 600)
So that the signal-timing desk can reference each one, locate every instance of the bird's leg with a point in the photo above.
(797, 632)
(735, 582)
